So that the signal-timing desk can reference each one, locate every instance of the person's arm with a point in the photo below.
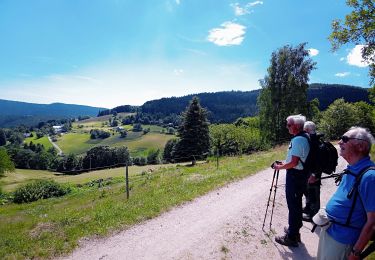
(291, 164)
(365, 236)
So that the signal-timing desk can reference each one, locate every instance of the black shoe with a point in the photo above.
(298, 238)
(286, 241)
(306, 217)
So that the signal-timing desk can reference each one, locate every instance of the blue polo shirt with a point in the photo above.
(339, 205)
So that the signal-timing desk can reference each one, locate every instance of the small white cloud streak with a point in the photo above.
(255, 3)
(230, 34)
(178, 2)
(342, 74)
(354, 57)
(239, 10)
(313, 52)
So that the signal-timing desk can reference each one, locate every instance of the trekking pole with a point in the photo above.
(274, 196)
(269, 197)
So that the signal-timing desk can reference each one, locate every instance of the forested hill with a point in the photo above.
(13, 113)
(222, 106)
(228, 106)
(327, 93)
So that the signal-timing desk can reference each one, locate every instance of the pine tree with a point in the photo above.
(194, 134)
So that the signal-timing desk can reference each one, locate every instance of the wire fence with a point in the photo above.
(133, 179)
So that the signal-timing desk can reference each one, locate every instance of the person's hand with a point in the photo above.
(276, 165)
(312, 179)
(353, 257)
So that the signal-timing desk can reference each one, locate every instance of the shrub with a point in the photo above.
(40, 189)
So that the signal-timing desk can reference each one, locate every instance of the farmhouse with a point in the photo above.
(58, 129)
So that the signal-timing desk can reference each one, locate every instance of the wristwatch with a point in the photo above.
(356, 252)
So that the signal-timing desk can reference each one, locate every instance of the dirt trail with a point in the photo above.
(224, 224)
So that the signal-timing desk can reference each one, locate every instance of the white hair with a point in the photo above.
(298, 120)
(309, 127)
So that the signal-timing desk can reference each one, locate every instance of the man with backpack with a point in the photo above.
(313, 184)
(296, 179)
(351, 209)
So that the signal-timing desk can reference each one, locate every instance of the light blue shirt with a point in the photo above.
(298, 146)
(339, 205)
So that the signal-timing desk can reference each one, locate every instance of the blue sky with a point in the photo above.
(115, 52)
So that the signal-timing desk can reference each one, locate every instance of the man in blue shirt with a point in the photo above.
(296, 179)
(340, 241)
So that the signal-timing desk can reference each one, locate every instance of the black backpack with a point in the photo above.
(326, 157)
(322, 156)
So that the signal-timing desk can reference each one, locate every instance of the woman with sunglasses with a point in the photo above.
(343, 240)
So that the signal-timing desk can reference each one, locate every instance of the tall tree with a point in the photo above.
(358, 28)
(284, 90)
(6, 165)
(194, 134)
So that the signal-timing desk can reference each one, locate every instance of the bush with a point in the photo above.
(40, 189)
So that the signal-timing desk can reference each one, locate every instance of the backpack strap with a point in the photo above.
(304, 134)
(354, 191)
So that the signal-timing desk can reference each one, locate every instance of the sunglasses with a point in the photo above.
(346, 139)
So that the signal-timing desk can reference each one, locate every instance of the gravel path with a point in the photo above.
(224, 224)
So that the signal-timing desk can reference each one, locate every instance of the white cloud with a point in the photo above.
(342, 59)
(230, 34)
(342, 74)
(178, 72)
(255, 3)
(313, 52)
(355, 57)
(239, 10)
(178, 2)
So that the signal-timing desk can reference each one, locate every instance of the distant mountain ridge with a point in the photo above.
(13, 113)
(227, 106)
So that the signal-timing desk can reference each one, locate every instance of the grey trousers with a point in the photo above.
(330, 249)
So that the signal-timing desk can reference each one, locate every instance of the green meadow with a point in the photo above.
(78, 140)
(44, 141)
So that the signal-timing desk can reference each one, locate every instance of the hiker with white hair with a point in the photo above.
(313, 184)
(351, 209)
(296, 179)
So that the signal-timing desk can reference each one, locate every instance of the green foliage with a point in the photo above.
(194, 134)
(340, 116)
(97, 133)
(6, 165)
(284, 90)
(40, 189)
(137, 127)
(141, 161)
(153, 156)
(358, 28)
(229, 139)
(3, 138)
(169, 149)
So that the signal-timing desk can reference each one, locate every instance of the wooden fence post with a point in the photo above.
(127, 180)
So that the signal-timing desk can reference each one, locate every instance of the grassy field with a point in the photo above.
(21, 176)
(52, 227)
(44, 141)
(78, 141)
